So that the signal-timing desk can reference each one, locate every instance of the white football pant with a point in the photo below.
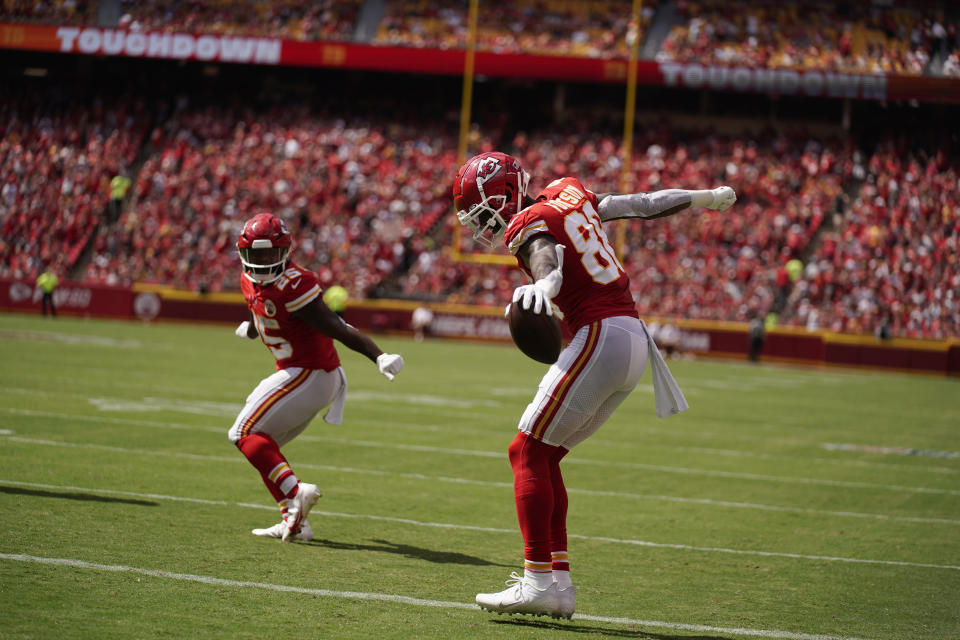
(593, 375)
(284, 403)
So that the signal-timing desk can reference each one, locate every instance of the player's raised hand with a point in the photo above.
(723, 198)
(389, 364)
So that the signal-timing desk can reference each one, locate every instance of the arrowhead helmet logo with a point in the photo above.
(487, 168)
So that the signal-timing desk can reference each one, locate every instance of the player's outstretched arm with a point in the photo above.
(660, 204)
(319, 316)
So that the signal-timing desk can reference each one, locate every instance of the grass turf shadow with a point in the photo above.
(83, 497)
(409, 551)
(600, 631)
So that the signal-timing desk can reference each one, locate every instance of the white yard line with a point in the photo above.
(228, 410)
(491, 483)
(500, 454)
(647, 467)
(443, 525)
(394, 598)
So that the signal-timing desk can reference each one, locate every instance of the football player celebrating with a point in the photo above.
(287, 312)
(559, 242)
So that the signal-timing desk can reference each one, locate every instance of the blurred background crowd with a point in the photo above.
(121, 182)
(900, 37)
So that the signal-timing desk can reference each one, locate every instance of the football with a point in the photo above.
(537, 335)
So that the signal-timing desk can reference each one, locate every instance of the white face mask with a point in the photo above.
(263, 264)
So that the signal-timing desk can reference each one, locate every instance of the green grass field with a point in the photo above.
(127, 513)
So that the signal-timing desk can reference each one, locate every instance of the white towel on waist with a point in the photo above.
(334, 414)
(667, 395)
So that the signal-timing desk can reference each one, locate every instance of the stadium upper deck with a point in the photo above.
(907, 38)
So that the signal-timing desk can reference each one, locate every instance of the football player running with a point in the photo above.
(287, 312)
(559, 242)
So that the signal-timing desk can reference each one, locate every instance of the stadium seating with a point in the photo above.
(290, 19)
(369, 197)
(366, 186)
(891, 266)
(902, 38)
(593, 28)
(56, 161)
(73, 12)
(697, 265)
(951, 66)
(856, 38)
(358, 194)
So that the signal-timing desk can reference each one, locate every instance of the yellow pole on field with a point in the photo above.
(466, 101)
(465, 104)
(467, 96)
(626, 170)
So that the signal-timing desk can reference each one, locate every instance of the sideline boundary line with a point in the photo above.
(394, 598)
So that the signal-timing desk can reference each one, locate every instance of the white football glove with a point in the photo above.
(242, 329)
(389, 364)
(541, 292)
(723, 198)
(532, 294)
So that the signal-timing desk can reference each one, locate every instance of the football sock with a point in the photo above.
(561, 564)
(264, 454)
(558, 518)
(533, 492)
(538, 574)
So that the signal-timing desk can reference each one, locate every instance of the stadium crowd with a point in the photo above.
(369, 197)
(587, 28)
(892, 266)
(74, 12)
(358, 191)
(900, 38)
(56, 161)
(855, 38)
(711, 265)
(951, 66)
(696, 265)
(368, 193)
(289, 19)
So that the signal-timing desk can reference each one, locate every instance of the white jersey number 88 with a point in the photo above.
(597, 256)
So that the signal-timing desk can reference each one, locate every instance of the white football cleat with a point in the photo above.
(298, 508)
(521, 596)
(276, 531)
(566, 602)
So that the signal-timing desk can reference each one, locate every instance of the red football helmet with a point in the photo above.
(488, 191)
(264, 247)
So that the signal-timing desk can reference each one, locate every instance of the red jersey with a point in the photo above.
(595, 286)
(292, 341)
